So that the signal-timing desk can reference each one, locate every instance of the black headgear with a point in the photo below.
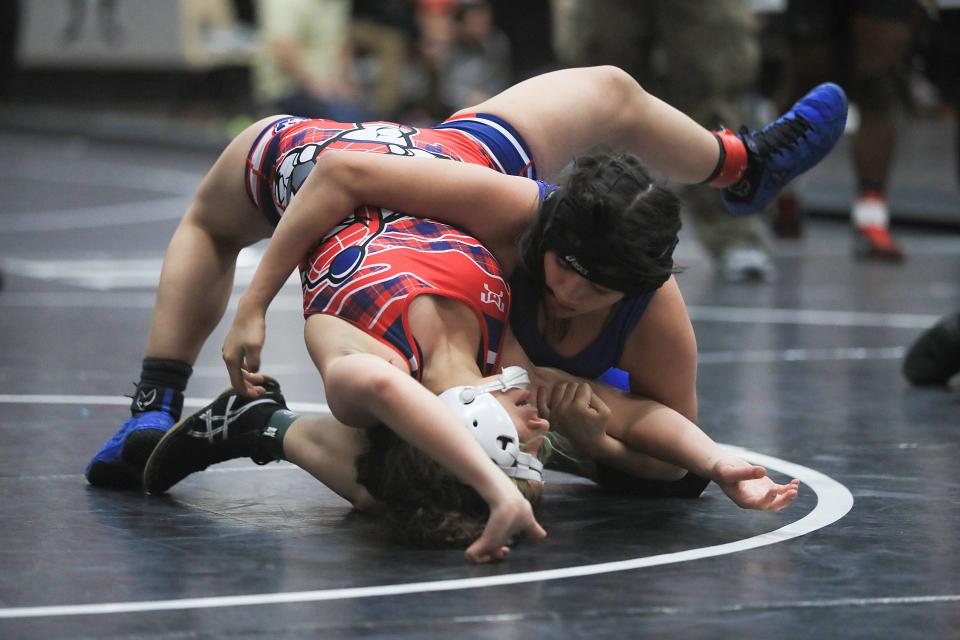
(566, 229)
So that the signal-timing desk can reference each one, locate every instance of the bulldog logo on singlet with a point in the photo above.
(376, 137)
(397, 139)
(293, 172)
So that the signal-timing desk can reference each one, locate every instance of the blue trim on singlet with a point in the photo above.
(599, 356)
(396, 335)
(484, 127)
(267, 160)
(546, 188)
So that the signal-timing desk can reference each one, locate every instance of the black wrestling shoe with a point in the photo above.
(227, 428)
(935, 356)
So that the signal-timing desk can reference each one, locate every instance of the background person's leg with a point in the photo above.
(817, 51)
(880, 45)
(712, 56)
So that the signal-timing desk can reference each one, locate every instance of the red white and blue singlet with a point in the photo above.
(369, 269)
(286, 150)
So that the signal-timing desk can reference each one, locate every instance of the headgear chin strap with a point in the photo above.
(492, 426)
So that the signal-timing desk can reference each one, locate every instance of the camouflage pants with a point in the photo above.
(701, 56)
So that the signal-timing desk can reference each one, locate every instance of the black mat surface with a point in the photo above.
(805, 370)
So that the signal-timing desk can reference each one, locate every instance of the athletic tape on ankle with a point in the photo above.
(275, 431)
(732, 162)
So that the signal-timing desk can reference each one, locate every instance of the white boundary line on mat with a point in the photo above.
(833, 502)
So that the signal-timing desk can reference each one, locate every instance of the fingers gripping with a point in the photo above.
(234, 365)
(543, 402)
(597, 404)
(583, 396)
(252, 358)
(565, 396)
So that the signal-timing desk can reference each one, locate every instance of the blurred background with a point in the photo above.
(195, 72)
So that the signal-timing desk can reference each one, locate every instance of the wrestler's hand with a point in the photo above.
(750, 488)
(575, 411)
(241, 350)
(509, 520)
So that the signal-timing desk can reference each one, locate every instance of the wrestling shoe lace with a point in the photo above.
(227, 428)
(781, 134)
(787, 147)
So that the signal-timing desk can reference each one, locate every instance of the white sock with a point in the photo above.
(870, 211)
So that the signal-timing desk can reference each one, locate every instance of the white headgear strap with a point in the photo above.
(492, 426)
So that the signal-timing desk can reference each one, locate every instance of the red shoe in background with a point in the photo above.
(872, 239)
(873, 242)
(787, 217)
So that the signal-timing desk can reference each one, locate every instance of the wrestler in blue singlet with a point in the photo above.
(596, 359)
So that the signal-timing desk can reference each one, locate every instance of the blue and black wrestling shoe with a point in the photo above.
(787, 147)
(120, 461)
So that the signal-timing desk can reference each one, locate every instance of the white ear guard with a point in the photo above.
(492, 426)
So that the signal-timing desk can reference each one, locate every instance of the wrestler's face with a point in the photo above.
(568, 294)
(521, 405)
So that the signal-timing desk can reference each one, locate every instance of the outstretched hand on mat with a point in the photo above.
(750, 488)
(509, 520)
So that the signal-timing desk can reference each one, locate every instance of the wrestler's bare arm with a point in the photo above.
(492, 206)
(363, 390)
(660, 355)
(637, 430)
(585, 419)
(643, 437)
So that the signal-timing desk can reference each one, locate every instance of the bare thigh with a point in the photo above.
(221, 206)
(563, 113)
